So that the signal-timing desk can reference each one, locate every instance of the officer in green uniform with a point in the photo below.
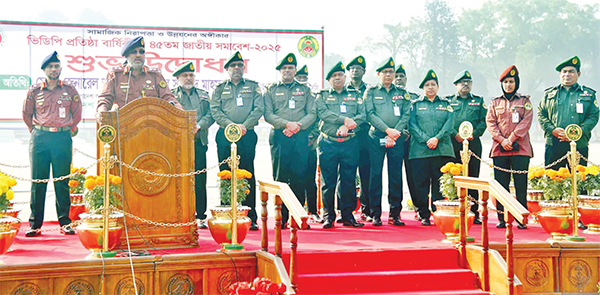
(356, 68)
(430, 127)
(51, 112)
(388, 110)
(290, 108)
(341, 111)
(310, 184)
(400, 81)
(196, 99)
(564, 104)
(468, 107)
(238, 100)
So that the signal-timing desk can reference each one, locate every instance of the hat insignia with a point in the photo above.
(239, 55)
(574, 61)
(290, 59)
(402, 66)
(433, 75)
(512, 72)
(142, 41)
(342, 66)
(57, 57)
(360, 60)
(392, 63)
(468, 74)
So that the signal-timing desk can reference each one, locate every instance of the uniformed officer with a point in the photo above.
(238, 100)
(564, 104)
(388, 110)
(430, 126)
(508, 119)
(196, 99)
(341, 112)
(51, 111)
(356, 68)
(468, 107)
(310, 184)
(400, 81)
(134, 80)
(290, 108)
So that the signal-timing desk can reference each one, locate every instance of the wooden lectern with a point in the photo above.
(155, 136)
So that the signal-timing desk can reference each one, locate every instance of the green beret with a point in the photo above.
(53, 57)
(388, 64)
(400, 69)
(235, 57)
(186, 67)
(339, 67)
(302, 71)
(573, 62)
(464, 74)
(131, 44)
(289, 59)
(429, 76)
(359, 60)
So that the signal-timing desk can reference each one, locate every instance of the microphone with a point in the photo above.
(172, 103)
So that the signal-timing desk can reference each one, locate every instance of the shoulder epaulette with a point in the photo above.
(34, 86)
(550, 89)
(153, 70)
(250, 81)
(588, 88)
(446, 99)
(477, 96)
(420, 98)
(449, 97)
(202, 91)
(117, 69)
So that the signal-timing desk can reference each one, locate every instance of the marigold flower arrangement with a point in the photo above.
(242, 187)
(447, 187)
(77, 180)
(262, 286)
(590, 180)
(6, 192)
(94, 194)
(558, 184)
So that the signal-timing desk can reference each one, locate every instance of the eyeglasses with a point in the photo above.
(465, 82)
(236, 64)
(141, 51)
(356, 68)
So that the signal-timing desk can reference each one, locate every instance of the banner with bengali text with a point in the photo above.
(88, 52)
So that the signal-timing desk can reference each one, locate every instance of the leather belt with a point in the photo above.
(338, 139)
(52, 129)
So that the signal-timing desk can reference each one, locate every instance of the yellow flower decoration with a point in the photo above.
(10, 194)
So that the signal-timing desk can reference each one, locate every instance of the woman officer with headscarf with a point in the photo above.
(508, 119)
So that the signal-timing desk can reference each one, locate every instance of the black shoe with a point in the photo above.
(353, 223)
(376, 221)
(426, 222)
(33, 232)
(521, 226)
(316, 218)
(202, 224)
(501, 224)
(477, 221)
(339, 220)
(396, 221)
(67, 230)
(254, 226)
(284, 226)
(328, 224)
(582, 226)
(368, 219)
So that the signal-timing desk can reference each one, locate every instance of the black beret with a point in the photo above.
(131, 44)
(53, 57)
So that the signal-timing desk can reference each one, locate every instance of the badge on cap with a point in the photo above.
(142, 42)
(162, 84)
(574, 61)
(432, 74)
(402, 66)
(528, 106)
(468, 74)
(360, 60)
(192, 67)
(342, 66)
(512, 72)
(239, 55)
(290, 59)
(57, 57)
(392, 63)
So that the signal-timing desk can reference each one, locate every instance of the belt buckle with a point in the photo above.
(52, 129)
(340, 139)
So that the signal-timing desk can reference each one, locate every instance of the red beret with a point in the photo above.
(511, 71)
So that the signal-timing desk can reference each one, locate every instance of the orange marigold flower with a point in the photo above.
(445, 168)
(581, 168)
(83, 171)
(90, 177)
(100, 180)
(455, 171)
(246, 191)
(539, 173)
(89, 184)
(73, 183)
(225, 174)
(116, 180)
(73, 169)
(11, 182)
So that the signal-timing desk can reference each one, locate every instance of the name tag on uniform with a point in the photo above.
(396, 111)
(239, 101)
(62, 112)
(343, 109)
(515, 117)
(579, 108)
(292, 104)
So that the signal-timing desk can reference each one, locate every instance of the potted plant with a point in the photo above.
(221, 216)
(447, 214)
(535, 193)
(76, 190)
(9, 224)
(589, 204)
(90, 231)
(556, 214)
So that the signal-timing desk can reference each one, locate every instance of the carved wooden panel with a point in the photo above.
(155, 136)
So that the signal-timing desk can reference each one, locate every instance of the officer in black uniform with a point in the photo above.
(341, 112)
(388, 110)
(290, 108)
(238, 100)
(51, 111)
(196, 99)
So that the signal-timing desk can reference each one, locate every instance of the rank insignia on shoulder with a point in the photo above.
(596, 102)
(528, 106)
(162, 84)
(552, 94)
(484, 105)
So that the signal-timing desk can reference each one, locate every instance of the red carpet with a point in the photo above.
(52, 246)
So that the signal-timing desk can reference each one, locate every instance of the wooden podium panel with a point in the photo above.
(155, 136)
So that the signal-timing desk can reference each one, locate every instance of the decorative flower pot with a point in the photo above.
(447, 218)
(77, 206)
(221, 220)
(589, 209)
(556, 217)
(90, 232)
(7, 232)
(533, 203)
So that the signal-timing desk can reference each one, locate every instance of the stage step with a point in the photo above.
(413, 271)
